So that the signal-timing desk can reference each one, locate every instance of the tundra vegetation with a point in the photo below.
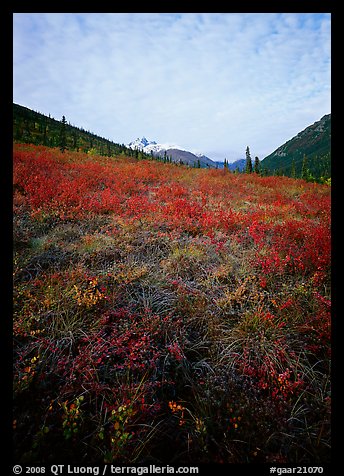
(168, 314)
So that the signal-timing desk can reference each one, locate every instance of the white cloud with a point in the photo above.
(212, 82)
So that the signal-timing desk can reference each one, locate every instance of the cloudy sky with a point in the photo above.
(210, 82)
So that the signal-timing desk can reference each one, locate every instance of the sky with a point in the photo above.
(213, 83)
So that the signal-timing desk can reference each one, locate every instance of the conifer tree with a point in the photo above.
(63, 138)
(256, 165)
(248, 167)
(304, 170)
(44, 125)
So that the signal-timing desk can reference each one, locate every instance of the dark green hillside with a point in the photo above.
(36, 128)
(306, 155)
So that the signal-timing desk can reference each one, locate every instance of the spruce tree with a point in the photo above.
(248, 167)
(44, 125)
(304, 170)
(257, 165)
(63, 138)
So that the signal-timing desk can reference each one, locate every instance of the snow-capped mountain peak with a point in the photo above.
(175, 152)
(140, 143)
(151, 145)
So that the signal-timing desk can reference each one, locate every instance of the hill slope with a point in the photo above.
(33, 127)
(314, 142)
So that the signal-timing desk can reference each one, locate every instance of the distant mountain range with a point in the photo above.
(173, 151)
(310, 147)
(179, 154)
(237, 165)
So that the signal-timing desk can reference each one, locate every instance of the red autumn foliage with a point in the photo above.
(237, 269)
